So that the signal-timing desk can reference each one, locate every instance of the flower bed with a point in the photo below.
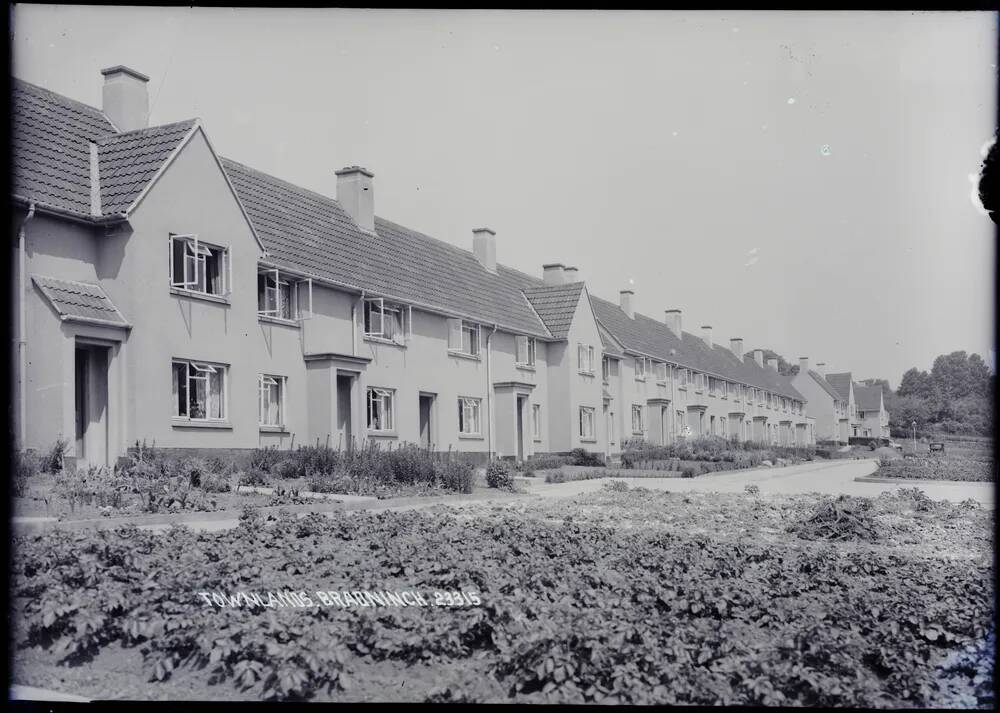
(939, 468)
(736, 617)
(711, 449)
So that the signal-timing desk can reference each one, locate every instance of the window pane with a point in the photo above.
(215, 395)
(180, 389)
(177, 259)
(199, 396)
(213, 272)
(286, 300)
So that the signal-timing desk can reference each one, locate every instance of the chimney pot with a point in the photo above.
(706, 334)
(758, 356)
(125, 98)
(673, 319)
(625, 300)
(484, 247)
(553, 273)
(736, 347)
(356, 196)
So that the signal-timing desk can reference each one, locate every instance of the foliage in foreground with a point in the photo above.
(572, 611)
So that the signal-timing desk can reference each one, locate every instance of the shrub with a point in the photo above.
(688, 471)
(454, 475)
(411, 464)
(616, 486)
(288, 469)
(263, 459)
(332, 483)
(215, 483)
(498, 475)
(581, 456)
(54, 460)
(751, 489)
(253, 477)
(547, 461)
(555, 476)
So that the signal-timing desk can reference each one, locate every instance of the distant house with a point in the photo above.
(844, 385)
(871, 414)
(826, 403)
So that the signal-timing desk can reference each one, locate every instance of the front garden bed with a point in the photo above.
(939, 467)
(625, 595)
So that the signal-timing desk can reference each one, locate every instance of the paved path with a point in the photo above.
(832, 477)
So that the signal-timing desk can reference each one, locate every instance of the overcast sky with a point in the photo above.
(801, 180)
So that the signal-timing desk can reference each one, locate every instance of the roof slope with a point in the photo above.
(651, 337)
(129, 161)
(842, 383)
(311, 234)
(556, 305)
(825, 385)
(868, 398)
(50, 149)
(79, 300)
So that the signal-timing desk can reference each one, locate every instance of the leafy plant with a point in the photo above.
(498, 475)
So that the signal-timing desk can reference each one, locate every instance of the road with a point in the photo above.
(832, 477)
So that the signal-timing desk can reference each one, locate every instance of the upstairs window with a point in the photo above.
(384, 320)
(197, 266)
(463, 337)
(270, 400)
(699, 381)
(525, 351)
(640, 368)
(585, 358)
(683, 376)
(199, 390)
(661, 372)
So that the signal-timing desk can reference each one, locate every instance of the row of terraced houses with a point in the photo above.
(166, 294)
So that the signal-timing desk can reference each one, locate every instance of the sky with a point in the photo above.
(800, 180)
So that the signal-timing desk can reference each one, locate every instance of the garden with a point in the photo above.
(952, 466)
(151, 482)
(621, 596)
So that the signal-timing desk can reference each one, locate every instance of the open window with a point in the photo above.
(525, 351)
(380, 409)
(199, 390)
(270, 400)
(661, 372)
(282, 297)
(468, 416)
(640, 368)
(387, 321)
(197, 266)
(586, 423)
(463, 337)
(638, 419)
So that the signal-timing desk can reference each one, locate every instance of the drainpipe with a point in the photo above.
(489, 389)
(22, 339)
(354, 323)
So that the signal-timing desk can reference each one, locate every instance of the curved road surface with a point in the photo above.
(832, 477)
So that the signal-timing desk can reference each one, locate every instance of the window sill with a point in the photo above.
(525, 367)
(471, 436)
(189, 423)
(382, 434)
(383, 340)
(536, 440)
(277, 320)
(640, 378)
(218, 299)
(661, 383)
(273, 429)
(463, 355)
(588, 440)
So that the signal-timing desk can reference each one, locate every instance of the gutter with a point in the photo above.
(111, 219)
(489, 389)
(22, 338)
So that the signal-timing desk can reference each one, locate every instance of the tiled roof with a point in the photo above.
(556, 305)
(79, 300)
(842, 383)
(608, 344)
(311, 234)
(50, 149)
(825, 384)
(129, 161)
(868, 398)
(654, 338)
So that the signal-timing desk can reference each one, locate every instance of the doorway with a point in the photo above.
(427, 420)
(521, 400)
(345, 421)
(91, 404)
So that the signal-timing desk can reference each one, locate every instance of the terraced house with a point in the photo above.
(873, 419)
(166, 294)
(831, 409)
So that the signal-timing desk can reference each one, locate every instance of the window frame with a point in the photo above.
(282, 387)
(639, 367)
(380, 393)
(475, 404)
(640, 411)
(536, 422)
(206, 368)
(590, 412)
(529, 348)
(199, 251)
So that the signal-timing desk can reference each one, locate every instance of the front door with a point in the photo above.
(426, 408)
(345, 425)
(91, 397)
(520, 427)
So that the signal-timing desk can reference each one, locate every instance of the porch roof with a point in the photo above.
(81, 301)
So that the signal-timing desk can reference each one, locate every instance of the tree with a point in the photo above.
(784, 367)
(955, 397)
(915, 383)
(989, 190)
